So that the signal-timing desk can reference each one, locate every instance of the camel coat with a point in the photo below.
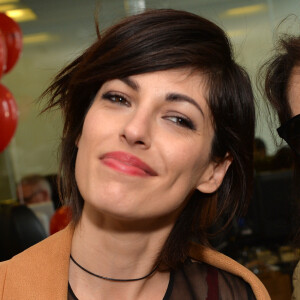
(296, 283)
(41, 272)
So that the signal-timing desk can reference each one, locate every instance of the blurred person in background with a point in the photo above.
(282, 89)
(35, 191)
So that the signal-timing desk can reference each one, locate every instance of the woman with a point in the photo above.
(282, 83)
(155, 110)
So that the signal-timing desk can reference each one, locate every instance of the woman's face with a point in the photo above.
(294, 91)
(145, 145)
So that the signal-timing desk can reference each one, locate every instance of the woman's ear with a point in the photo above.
(214, 175)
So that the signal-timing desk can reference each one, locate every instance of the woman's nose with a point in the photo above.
(137, 130)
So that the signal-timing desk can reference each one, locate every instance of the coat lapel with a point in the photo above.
(41, 272)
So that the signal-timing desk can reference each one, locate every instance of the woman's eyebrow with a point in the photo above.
(171, 97)
(175, 97)
(131, 83)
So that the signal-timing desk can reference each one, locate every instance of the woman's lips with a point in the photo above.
(127, 163)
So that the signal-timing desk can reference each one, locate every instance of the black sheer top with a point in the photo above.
(199, 281)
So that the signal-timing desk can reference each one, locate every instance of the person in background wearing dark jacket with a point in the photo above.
(282, 89)
(35, 192)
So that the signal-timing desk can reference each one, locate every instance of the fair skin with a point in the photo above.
(294, 91)
(163, 120)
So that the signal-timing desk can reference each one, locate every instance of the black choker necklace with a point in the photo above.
(112, 279)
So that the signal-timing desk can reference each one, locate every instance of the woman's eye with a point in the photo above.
(181, 121)
(115, 98)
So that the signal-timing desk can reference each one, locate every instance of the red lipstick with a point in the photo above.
(127, 163)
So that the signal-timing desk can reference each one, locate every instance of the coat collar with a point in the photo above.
(42, 271)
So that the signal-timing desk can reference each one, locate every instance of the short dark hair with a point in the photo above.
(277, 73)
(158, 40)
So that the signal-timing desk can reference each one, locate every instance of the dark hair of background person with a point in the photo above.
(277, 72)
(274, 76)
(152, 41)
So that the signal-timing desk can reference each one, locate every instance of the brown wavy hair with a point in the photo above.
(152, 41)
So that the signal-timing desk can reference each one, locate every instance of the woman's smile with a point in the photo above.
(127, 163)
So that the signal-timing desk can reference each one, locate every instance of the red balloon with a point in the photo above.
(13, 39)
(8, 116)
(61, 218)
(3, 54)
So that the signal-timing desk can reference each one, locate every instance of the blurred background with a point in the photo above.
(57, 31)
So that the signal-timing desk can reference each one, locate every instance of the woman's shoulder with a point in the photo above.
(23, 276)
(3, 267)
(3, 270)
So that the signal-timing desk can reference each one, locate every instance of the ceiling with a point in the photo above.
(73, 19)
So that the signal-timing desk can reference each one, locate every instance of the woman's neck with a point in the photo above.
(117, 249)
